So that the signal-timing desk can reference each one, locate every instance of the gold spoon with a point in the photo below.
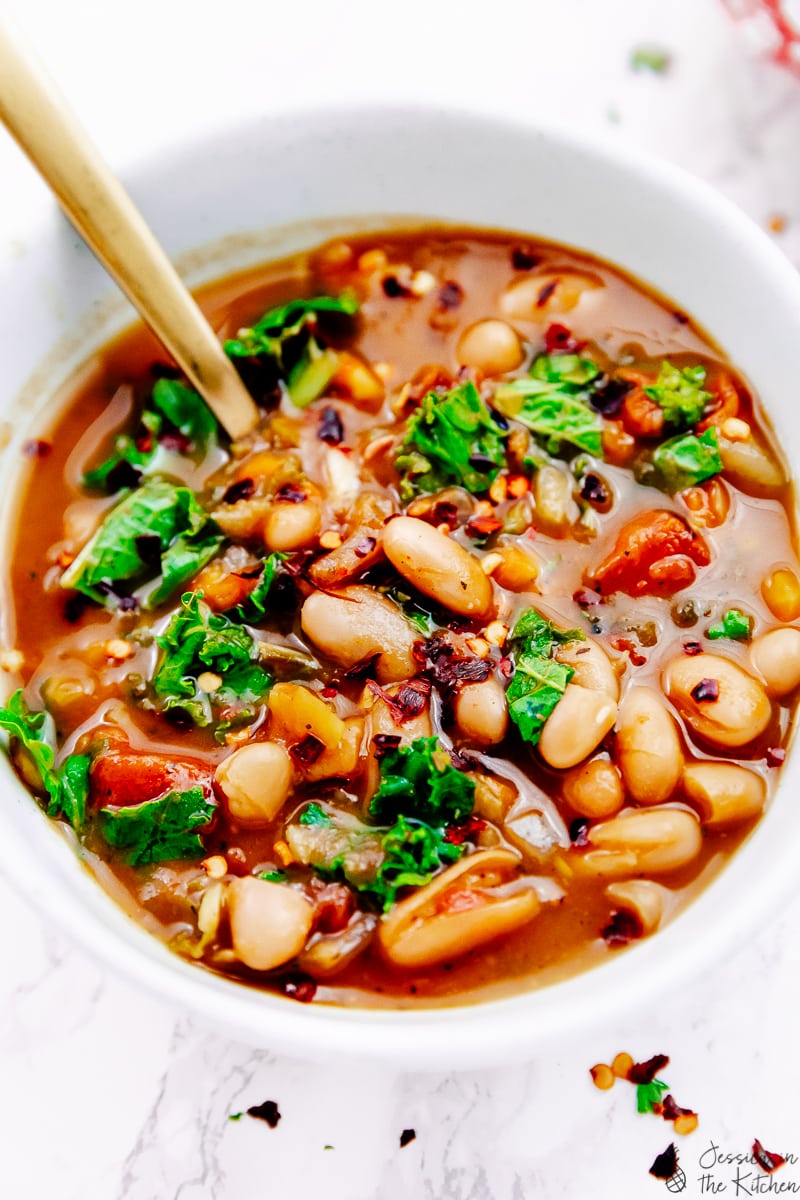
(103, 213)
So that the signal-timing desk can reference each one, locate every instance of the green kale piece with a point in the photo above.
(734, 624)
(414, 852)
(553, 403)
(684, 461)
(197, 641)
(450, 439)
(648, 1095)
(159, 830)
(314, 814)
(159, 529)
(539, 680)
(420, 781)
(679, 392)
(66, 787)
(253, 610)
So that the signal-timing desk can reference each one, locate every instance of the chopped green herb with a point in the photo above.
(539, 680)
(273, 876)
(313, 814)
(413, 610)
(684, 461)
(450, 439)
(67, 787)
(650, 58)
(414, 852)
(734, 624)
(287, 320)
(159, 529)
(648, 1095)
(185, 410)
(159, 830)
(679, 392)
(553, 403)
(253, 610)
(311, 374)
(198, 641)
(235, 1116)
(420, 781)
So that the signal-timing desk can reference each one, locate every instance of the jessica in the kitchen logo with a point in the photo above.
(758, 1172)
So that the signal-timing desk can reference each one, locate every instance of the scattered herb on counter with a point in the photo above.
(67, 787)
(158, 530)
(451, 439)
(650, 1091)
(200, 642)
(648, 1095)
(650, 58)
(553, 402)
(734, 625)
(159, 830)
(539, 680)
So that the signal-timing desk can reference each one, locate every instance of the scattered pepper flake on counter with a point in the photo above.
(766, 1159)
(650, 1091)
(408, 1135)
(665, 1164)
(268, 1111)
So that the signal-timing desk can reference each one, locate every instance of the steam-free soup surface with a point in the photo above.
(465, 671)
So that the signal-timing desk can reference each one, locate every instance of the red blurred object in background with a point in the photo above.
(772, 27)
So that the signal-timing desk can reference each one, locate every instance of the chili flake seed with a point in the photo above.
(208, 681)
(735, 429)
(421, 283)
(706, 691)
(621, 1065)
(330, 540)
(384, 370)
(236, 737)
(281, 850)
(602, 1076)
(499, 489)
(371, 260)
(490, 563)
(64, 559)
(118, 650)
(496, 633)
(11, 660)
(215, 866)
(479, 647)
(776, 223)
(775, 756)
(686, 1123)
(518, 486)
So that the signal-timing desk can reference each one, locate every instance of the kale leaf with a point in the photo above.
(173, 407)
(450, 439)
(66, 787)
(553, 403)
(648, 1095)
(420, 781)
(413, 853)
(679, 392)
(159, 830)
(253, 609)
(159, 529)
(734, 624)
(684, 461)
(198, 641)
(539, 680)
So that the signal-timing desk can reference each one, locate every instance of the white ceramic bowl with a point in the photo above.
(282, 184)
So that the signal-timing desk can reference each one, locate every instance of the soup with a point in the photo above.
(464, 671)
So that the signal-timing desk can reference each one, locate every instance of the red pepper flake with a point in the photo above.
(409, 702)
(665, 1165)
(706, 691)
(364, 546)
(299, 987)
(335, 905)
(546, 293)
(444, 512)
(459, 833)
(407, 1136)
(330, 428)
(36, 448)
(594, 489)
(482, 527)
(329, 692)
(307, 751)
(692, 648)
(393, 287)
(624, 927)
(767, 1159)
(585, 598)
(506, 667)
(450, 295)
(447, 667)
(626, 646)
(523, 258)
(364, 666)
(384, 742)
(241, 490)
(645, 1072)
(178, 443)
(559, 339)
(775, 756)
(670, 1109)
(290, 493)
(268, 1111)
(144, 443)
(237, 861)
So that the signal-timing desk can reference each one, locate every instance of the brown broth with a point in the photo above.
(620, 320)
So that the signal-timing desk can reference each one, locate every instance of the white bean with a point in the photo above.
(592, 666)
(481, 712)
(775, 656)
(645, 899)
(648, 747)
(649, 841)
(576, 726)
(358, 623)
(292, 526)
(438, 566)
(492, 346)
(594, 789)
(269, 922)
(741, 711)
(255, 781)
(724, 793)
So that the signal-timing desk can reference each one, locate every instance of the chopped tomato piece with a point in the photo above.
(126, 777)
(655, 554)
(641, 416)
(726, 402)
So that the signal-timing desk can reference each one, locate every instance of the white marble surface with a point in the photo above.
(105, 1094)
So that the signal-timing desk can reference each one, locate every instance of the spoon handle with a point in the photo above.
(104, 214)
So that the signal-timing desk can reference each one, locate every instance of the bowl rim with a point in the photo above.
(425, 1038)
